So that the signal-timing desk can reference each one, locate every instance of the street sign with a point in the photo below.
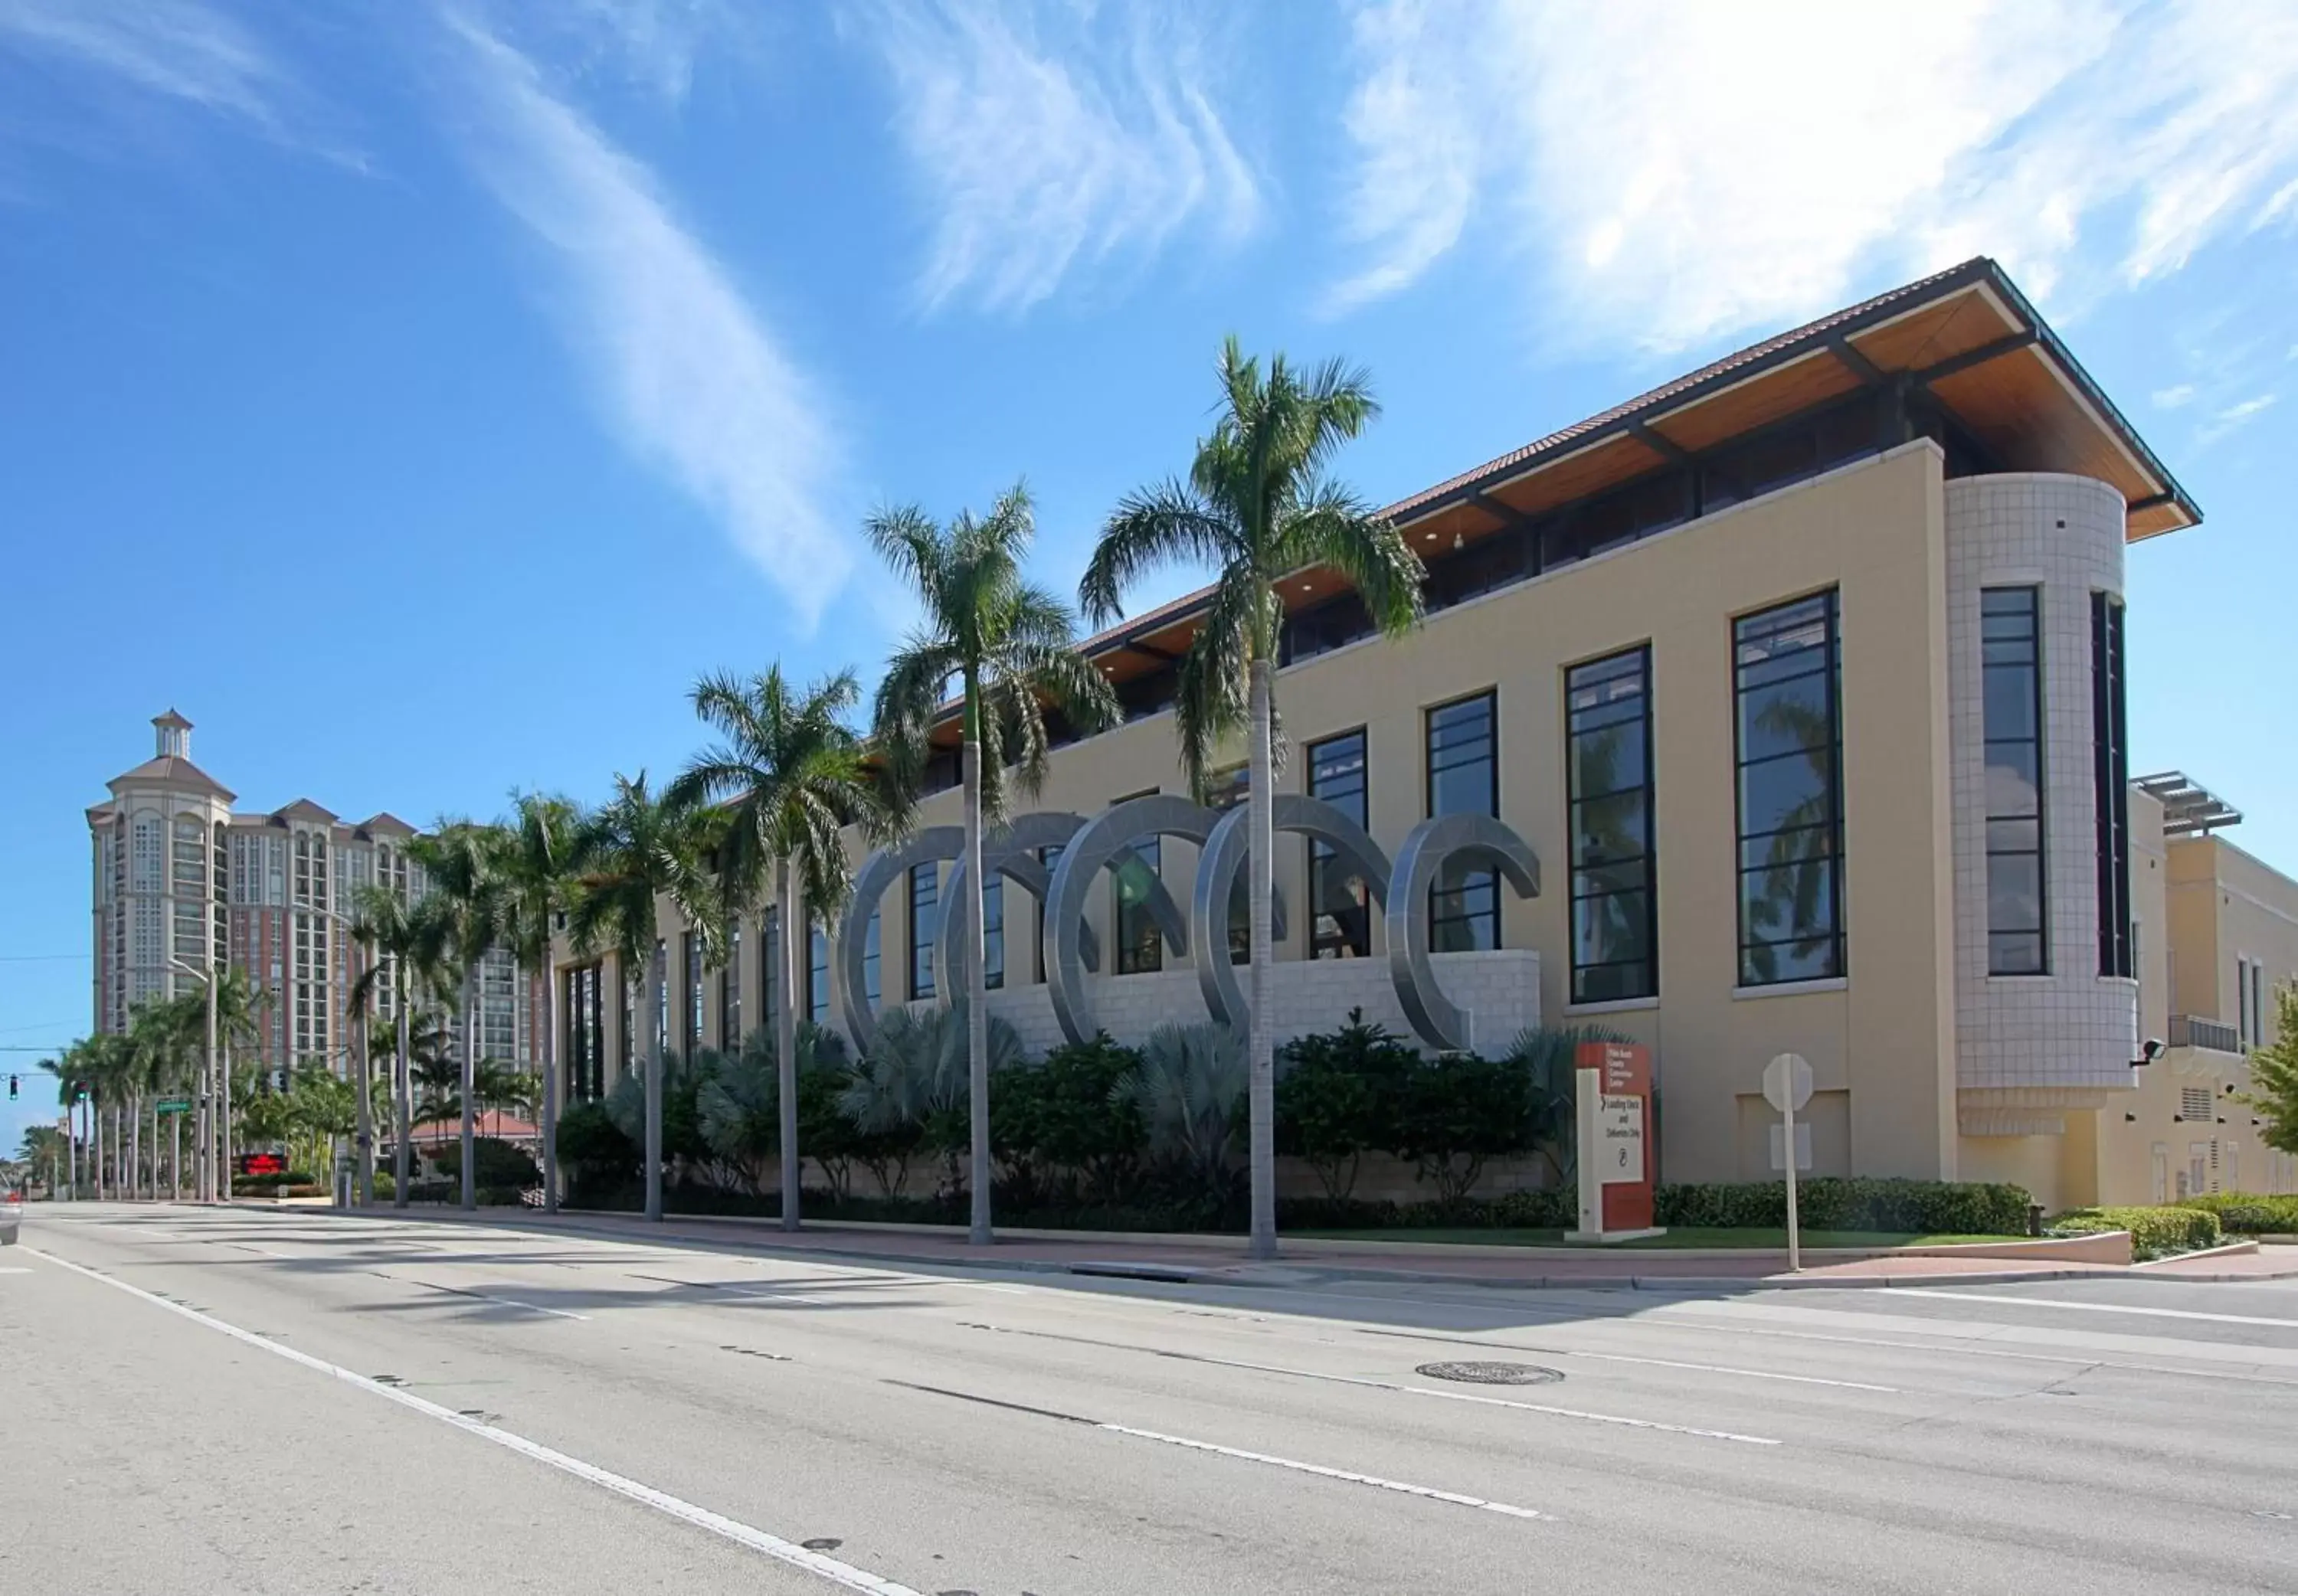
(1787, 1087)
(172, 1105)
(1787, 1082)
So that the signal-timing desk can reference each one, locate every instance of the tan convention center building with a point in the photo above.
(1787, 699)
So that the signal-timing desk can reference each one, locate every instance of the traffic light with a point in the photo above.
(12, 1089)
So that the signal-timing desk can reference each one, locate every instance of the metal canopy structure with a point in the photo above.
(2189, 808)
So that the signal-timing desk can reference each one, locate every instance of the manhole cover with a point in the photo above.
(1492, 1374)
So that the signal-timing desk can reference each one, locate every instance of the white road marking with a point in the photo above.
(838, 1573)
(488, 1297)
(14, 1270)
(2215, 1319)
(1429, 1491)
(266, 1251)
(1376, 1384)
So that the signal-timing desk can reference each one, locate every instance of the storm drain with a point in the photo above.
(1492, 1374)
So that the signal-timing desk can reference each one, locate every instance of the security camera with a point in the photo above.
(2148, 1052)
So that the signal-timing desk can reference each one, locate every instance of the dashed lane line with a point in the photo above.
(1292, 1465)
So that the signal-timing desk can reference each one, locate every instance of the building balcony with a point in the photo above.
(2210, 1035)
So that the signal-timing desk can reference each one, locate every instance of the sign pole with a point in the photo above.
(1795, 1239)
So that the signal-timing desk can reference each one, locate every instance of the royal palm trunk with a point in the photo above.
(471, 1085)
(1260, 1089)
(403, 1155)
(549, 1087)
(977, 1008)
(363, 1149)
(786, 1037)
(653, 1009)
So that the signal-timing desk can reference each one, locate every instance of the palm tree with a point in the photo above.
(531, 860)
(637, 848)
(1008, 647)
(239, 1008)
(790, 774)
(1258, 507)
(458, 860)
(415, 939)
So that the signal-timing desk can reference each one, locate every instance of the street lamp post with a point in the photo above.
(205, 1152)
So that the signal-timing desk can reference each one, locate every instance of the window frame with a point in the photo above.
(1830, 674)
(924, 920)
(1317, 853)
(2032, 593)
(1469, 880)
(1574, 802)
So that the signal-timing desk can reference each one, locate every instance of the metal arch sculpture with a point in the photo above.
(1094, 847)
(1225, 854)
(1012, 852)
(880, 871)
(1427, 847)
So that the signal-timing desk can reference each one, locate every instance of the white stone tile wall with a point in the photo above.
(2069, 1029)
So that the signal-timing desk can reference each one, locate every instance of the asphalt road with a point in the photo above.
(258, 1401)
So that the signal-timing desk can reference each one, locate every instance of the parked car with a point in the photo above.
(12, 1214)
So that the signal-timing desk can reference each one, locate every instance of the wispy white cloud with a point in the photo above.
(655, 45)
(2174, 396)
(1049, 139)
(691, 378)
(1669, 172)
(2233, 416)
(180, 49)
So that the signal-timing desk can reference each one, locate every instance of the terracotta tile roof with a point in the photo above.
(168, 770)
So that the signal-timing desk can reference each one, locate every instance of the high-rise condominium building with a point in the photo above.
(181, 881)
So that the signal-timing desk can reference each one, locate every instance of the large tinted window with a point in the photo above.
(770, 971)
(817, 976)
(690, 955)
(1340, 913)
(2010, 668)
(992, 932)
(1608, 707)
(730, 992)
(925, 903)
(1049, 858)
(2110, 771)
(1786, 675)
(1138, 948)
(1227, 789)
(1464, 905)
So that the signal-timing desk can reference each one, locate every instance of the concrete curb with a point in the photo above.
(1303, 1270)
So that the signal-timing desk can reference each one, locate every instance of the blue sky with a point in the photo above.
(429, 391)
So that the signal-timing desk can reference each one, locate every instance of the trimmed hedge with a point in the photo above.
(2248, 1213)
(2154, 1232)
(1859, 1203)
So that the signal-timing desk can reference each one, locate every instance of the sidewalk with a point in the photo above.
(1431, 1263)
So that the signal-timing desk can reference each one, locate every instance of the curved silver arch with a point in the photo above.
(880, 871)
(1224, 855)
(1427, 847)
(1012, 852)
(1095, 846)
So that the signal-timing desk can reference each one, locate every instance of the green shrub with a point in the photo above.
(592, 1147)
(2248, 1213)
(1858, 1202)
(1067, 1116)
(1337, 1095)
(2154, 1232)
(496, 1162)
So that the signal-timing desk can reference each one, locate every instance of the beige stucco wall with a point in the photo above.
(1882, 1039)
